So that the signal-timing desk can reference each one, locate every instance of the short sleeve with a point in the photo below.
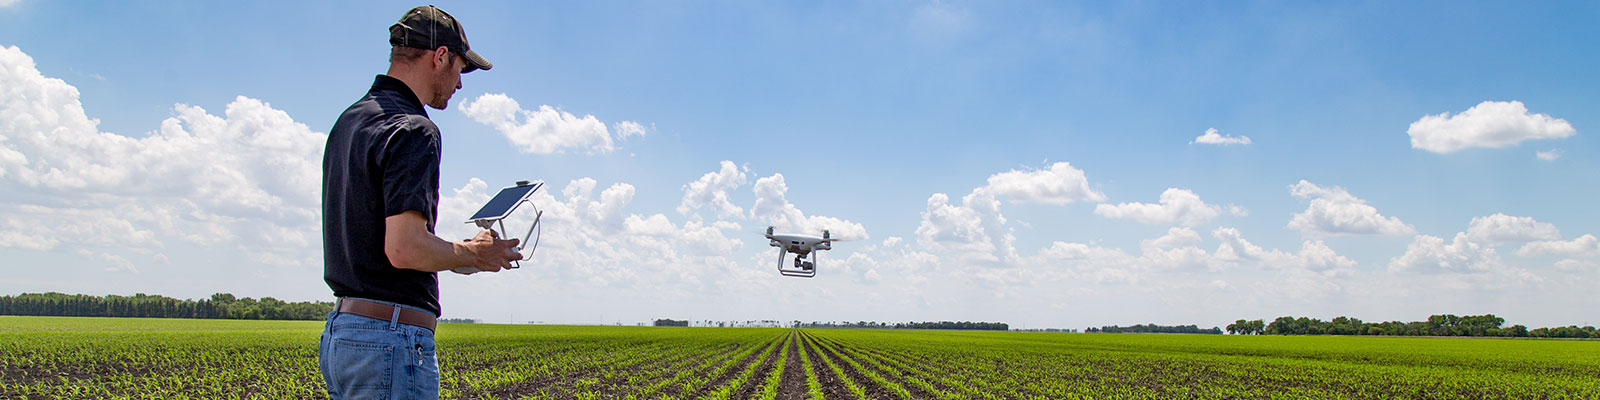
(410, 166)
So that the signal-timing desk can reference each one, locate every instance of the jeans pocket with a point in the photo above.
(324, 353)
(359, 369)
(425, 366)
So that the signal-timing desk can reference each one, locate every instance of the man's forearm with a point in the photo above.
(409, 245)
(429, 253)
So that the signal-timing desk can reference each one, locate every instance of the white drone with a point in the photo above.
(801, 246)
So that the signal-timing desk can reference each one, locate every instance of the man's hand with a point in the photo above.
(409, 245)
(490, 253)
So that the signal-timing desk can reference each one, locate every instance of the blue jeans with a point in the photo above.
(368, 358)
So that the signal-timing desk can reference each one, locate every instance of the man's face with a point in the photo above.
(447, 81)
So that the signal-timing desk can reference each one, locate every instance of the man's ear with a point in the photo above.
(441, 58)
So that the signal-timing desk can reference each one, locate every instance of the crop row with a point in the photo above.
(947, 364)
(617, 363)
(44, 357)
(93, 358)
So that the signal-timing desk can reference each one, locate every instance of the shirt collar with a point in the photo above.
(389, 83)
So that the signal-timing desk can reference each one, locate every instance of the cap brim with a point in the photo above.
(475, 62)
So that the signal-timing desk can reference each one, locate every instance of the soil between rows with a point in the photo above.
(748, 390)
(832, 386)
(889, 373)
(90, 372)
(534, 385)
(792, 385)
(474, 364)
(904, 365)
(728, 374)
(529, 386)
(671, 372)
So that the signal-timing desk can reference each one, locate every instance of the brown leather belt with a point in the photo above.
(386, 312)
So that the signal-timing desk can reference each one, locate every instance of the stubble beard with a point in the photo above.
(440, 102)
(443, 91)
(442, 98)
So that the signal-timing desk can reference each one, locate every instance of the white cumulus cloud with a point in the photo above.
(1334, 211)
(593, 237)
(1176, 206)
(1213, 137)
(1500, 228)
(1550, 155)
(773, 207)
(1583, 246)
(1098, 264)
(1431, 254)
(1175, 259)
(1492, 124)
(711, 190)
(974, 229)
(1061, 184)
(629, 128)
(594, 240)
(1577, 265)
(248, 179)
(1314, 255)
(1176, 237)
(546, 130)
(1234, 248)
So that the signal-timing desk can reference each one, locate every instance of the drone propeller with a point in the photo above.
(826, 236)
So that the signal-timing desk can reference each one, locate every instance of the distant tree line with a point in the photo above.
(1436, 325)
(1153, 328)
(765, 323)
(219, 306)
(962, 325)
(457, 321)
(1242, 327)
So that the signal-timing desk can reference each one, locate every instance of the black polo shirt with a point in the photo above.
(382, 159)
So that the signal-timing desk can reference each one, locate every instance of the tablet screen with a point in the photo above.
(502, 203)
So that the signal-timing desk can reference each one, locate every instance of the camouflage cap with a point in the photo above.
(428, 27)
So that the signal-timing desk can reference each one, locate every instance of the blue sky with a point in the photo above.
(1000, 162)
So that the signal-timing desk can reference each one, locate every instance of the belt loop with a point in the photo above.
(338, 303)
(394, 321)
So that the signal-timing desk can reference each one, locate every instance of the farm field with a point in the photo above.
(65, 357)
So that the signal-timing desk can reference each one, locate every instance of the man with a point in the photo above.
(380, 195)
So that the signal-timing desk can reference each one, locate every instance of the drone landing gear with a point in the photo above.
(802, 268)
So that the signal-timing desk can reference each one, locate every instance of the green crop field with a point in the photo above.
(61, 357)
